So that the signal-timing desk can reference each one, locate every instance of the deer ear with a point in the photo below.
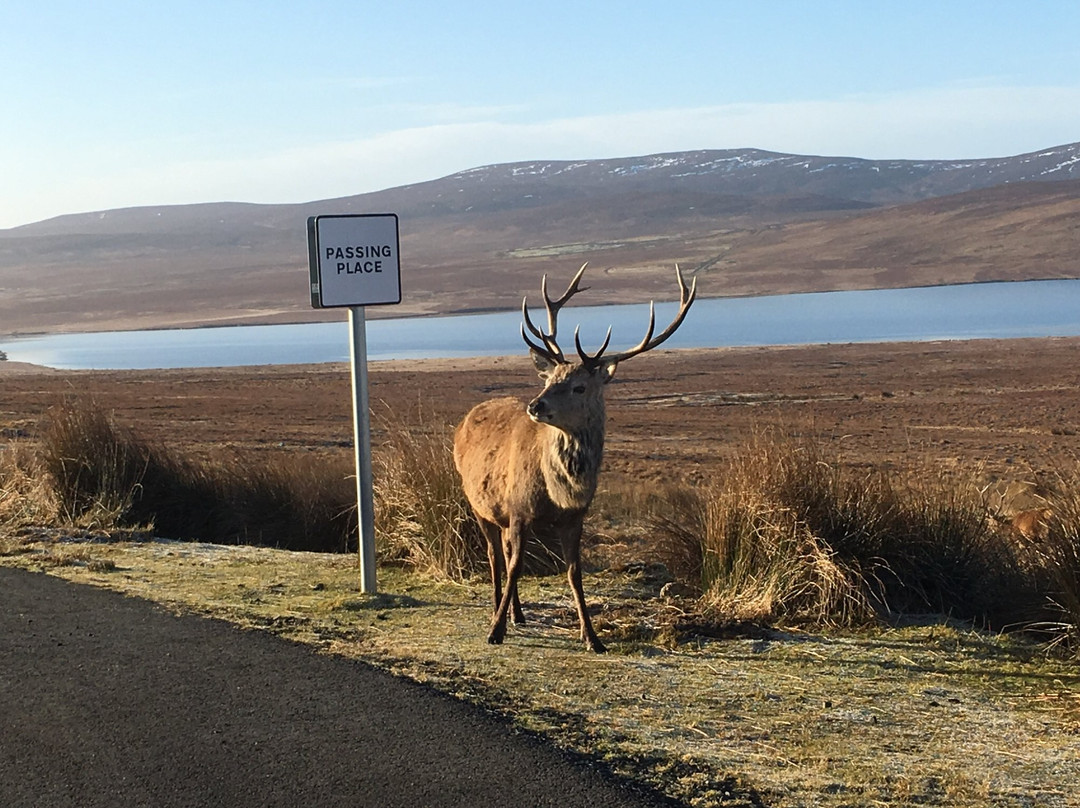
(607, 371)
(543, 364)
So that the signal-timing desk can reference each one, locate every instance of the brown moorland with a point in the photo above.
(999, 410)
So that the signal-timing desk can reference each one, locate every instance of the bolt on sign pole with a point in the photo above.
(353, 262)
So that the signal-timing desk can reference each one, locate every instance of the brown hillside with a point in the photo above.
(1022, 232)
(737, 245)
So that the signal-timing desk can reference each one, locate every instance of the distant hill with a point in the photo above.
(746, 221)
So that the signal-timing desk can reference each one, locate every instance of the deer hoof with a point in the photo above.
(597, 646)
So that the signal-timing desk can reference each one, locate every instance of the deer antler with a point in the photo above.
(686, 298)
(550, 347)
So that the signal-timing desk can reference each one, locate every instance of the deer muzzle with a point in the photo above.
(538, 410)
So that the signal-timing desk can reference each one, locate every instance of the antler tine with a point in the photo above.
(687, 294)
(571, 290)
(587, 360)
(550, 348)
(543, 351)
(553, 306)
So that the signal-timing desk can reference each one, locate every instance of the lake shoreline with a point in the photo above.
(470, 364)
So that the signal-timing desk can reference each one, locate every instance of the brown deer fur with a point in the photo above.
(523, 475)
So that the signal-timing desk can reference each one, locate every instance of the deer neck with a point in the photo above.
(571, 464)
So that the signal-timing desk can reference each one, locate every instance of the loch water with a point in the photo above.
(967, 311)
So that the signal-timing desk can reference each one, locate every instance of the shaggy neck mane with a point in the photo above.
(572, 463)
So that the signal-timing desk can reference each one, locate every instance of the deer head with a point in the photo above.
(573, 390)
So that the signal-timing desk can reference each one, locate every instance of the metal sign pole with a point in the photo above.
(362, 444)
(353, 262)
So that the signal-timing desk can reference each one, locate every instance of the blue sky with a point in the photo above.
(115, 104)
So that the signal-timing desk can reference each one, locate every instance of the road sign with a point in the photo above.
(353, 260)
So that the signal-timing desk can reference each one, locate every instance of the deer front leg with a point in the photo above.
(512, 541)
(571, 547)
(495, 559)
(516, 614)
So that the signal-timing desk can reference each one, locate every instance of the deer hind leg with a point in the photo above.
(512, 545)
(571, 547)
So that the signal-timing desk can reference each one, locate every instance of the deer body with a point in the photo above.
(532, 470)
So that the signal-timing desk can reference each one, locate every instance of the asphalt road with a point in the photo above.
(112, 701)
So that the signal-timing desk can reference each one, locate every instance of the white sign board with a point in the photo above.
(354, 260)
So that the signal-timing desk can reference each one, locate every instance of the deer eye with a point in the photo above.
(579, 389)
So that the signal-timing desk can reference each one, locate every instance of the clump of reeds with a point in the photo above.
(759, 561)
(26, 499)
(96, 473)
(421, 515)
(1056, 557)
(103, 474)
(784, 534)
(93, 466)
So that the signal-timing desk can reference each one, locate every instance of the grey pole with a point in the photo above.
(362, 444)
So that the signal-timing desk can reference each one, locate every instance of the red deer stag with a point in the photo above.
(532, 470)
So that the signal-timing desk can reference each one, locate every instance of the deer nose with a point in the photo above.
(536, 407)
